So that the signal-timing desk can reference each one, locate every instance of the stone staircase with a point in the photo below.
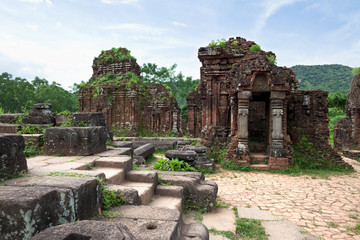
(259, 161)
(136, 187)
(258, 157)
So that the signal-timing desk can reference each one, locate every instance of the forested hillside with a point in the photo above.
(331, 78)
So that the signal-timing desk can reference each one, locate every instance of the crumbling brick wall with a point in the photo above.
(236, 80)
(347, 130)
(307, 116)
(117, 90)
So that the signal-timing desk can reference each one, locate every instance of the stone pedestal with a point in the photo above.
(202, 160)
(75, 141)
(12, 159)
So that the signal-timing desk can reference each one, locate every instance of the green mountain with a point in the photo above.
(331, 78)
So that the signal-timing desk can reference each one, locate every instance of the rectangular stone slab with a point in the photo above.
(25, 211)
(76, 141)
(85, 191)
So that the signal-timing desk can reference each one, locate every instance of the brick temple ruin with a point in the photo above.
(117, 90)
(247, 102)
(347, 130)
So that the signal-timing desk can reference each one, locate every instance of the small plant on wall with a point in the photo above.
(255, 47)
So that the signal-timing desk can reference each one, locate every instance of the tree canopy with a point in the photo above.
(19, 95)
(180, 85)
(331, 78)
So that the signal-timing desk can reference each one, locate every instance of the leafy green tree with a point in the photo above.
(151, 73)
(60, 98)
(180, 85)
(331, 78)
(16, 95)
(337, 100)
(19, 95)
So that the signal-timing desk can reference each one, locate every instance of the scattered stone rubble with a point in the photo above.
(59, 200)
(193, 155)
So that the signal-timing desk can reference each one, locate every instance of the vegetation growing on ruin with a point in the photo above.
(173, 165)
(255, 47)
(308, 160)
(271, 58)
(220, 43)
(109, 197)
(115, 54)
(218, 152)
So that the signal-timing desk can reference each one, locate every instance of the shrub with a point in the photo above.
(255, 47)
(173, 165)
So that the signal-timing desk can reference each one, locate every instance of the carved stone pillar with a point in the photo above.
(277, 112)
(243, 121)
(175, 121)
(233, 115)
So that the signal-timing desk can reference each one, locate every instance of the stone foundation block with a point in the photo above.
(25, 211)
(73, 141)
(278, 163)
(12, 159)
(86, 198)
(9, 128)
(10, 118)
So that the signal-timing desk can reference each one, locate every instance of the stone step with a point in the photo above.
(167, 202)
(124, 162)
(142, 176)
(111, 175)
(115, 152)
(170, 191)
(261, 167)
(257, 147)
(258, 158)
(145, 190)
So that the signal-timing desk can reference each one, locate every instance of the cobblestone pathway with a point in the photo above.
(325, 208)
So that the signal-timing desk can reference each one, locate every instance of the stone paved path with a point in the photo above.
(324, 208)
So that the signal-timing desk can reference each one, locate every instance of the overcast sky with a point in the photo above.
(58, 39)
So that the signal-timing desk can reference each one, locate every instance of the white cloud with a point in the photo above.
(179, 24)
(32, 27)
(48, 2)
(270, 8)
(134, 27)
(119, 1)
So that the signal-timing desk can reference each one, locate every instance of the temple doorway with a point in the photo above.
(258, 139)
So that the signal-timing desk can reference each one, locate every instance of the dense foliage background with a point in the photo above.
(19, 95)
(331, 78)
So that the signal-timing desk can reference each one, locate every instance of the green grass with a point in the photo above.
(308, 161)
(219, 203)
(246, 229)
(68, 174)
(334, 115)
